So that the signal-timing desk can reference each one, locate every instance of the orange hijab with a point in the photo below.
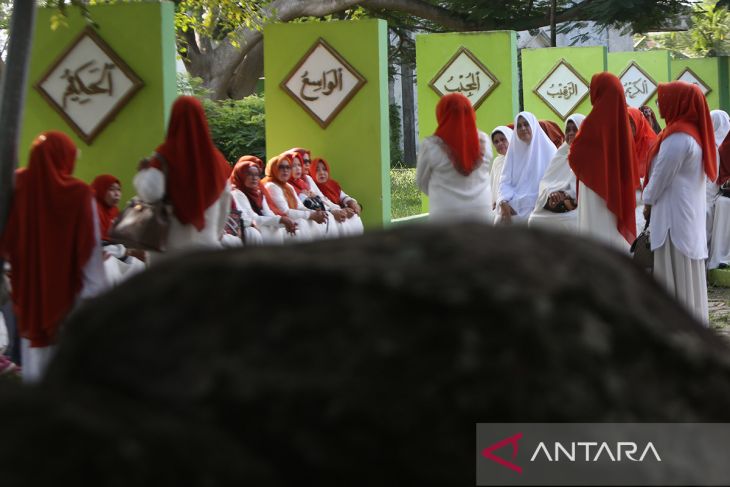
(197, 171)
(602, 154)
(330, 188)
(49, 237)
(684, 108)
(272, 173)
(457, 127)
(106, 213)
(644, 138)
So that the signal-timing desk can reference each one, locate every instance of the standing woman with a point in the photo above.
(674, 195)
(557, 200)
(721, 126)
(501, 136)
(52, 241)
(644, 138)
(453, 164)
(196, 182)
(530, 152)
(602, 158)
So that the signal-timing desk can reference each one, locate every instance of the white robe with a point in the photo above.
(524, 167)
(453, 196)
(720, 244)
(267, 224)
(558, 177)
(597, 222)
(496, 174)
(306, 229)
(676, 191)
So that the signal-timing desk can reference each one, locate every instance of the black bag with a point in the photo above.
(314, 203)
(725, 189)
(143, 225)
(641, 249)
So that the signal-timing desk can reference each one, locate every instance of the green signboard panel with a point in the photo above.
(706, 73)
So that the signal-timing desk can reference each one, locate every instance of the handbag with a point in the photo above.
(641, 249)
(725, 189)
(143, 225)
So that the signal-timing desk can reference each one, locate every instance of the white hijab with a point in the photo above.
(524, 167)
(721, 124)
(559, 176)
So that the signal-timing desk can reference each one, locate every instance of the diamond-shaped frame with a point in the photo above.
(634, 64)
(706, 89)
(137, 84)
(354, 72)
(463, 50)
(562, 62)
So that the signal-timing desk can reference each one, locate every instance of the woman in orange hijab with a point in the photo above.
(602, 158)
(196, 182)
(52, 243)
(674, 194)
(453, 164)
(282, 199)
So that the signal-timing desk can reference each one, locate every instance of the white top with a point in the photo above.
(150, 186)
(277, 194)
(721, 125)
(497, 167)
(268, 219)
(524, 167)
(558, 177)
(451, 194)
(676, 191)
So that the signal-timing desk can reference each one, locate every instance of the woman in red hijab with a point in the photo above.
(332, 192)
(52, 243)
(196, 183)
(602, 158)
(453, 164)
(674, 194)
(248, 193)
(644, 138)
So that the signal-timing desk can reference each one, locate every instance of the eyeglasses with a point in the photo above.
(284, 168)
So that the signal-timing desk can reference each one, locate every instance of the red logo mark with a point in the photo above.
(487, 452)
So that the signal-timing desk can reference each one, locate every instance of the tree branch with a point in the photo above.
(424, 10)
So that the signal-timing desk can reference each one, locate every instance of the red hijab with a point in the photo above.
(644, 138)
(684, 108)
(106, 213)
(457, 127)
(197, 171)
(724, 150)
(272, 173)
(300, 184)
(330, 188)
(238, 181)
(49, 237)
(602, 154)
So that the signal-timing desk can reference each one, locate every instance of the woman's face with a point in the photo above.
(307, 161)
(296, 168)
(113, 195)
(570, 131)
(252, 177)
(500, 143)
(524, 132)
(322, 174)
(284, 172)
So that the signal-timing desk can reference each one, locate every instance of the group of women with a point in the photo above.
(57, 238)
(615, 174)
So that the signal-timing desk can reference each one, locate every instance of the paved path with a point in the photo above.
(719, 307)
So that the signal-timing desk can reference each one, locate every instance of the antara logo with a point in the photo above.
(593, 451)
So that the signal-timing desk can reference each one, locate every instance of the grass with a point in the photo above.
(405, 196)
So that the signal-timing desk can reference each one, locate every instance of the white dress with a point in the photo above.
(453, 196)
(351, 226)
(182, 238)
(35, 360)
(676, 191)
(524, 167)
(558, 177)
(496, 174)
(306, 229)
(597, 222)
(267, 225)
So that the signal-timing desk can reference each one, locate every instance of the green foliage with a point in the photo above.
(396, 154)
(237, 126)
(405, 196)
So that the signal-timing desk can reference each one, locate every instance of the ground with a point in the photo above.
(719, 300)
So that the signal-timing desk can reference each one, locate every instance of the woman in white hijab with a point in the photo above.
(556, 200)
(718, 207)
(530, 151)
(501, 136)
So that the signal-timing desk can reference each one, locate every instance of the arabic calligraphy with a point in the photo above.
(636, 87)
(564, 91)
(325, 85)
(81, 92)
(472, 83)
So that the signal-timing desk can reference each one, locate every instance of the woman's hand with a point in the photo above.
(352, 204)
(340, 215)
(289, 225)
(556, 198)
(506, 211)
(318, 216)
(647, 213)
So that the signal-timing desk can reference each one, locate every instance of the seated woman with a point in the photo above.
(312, 197)
(248, 195)
(282, 199)
(530, 151)
(120, 263)
(501, 136)
(719, 243)
(557, 199)
(320, 171)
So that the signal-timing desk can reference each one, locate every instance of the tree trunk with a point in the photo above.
(409, 107)
(553, 32)
(248, 73)
(12, 98)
